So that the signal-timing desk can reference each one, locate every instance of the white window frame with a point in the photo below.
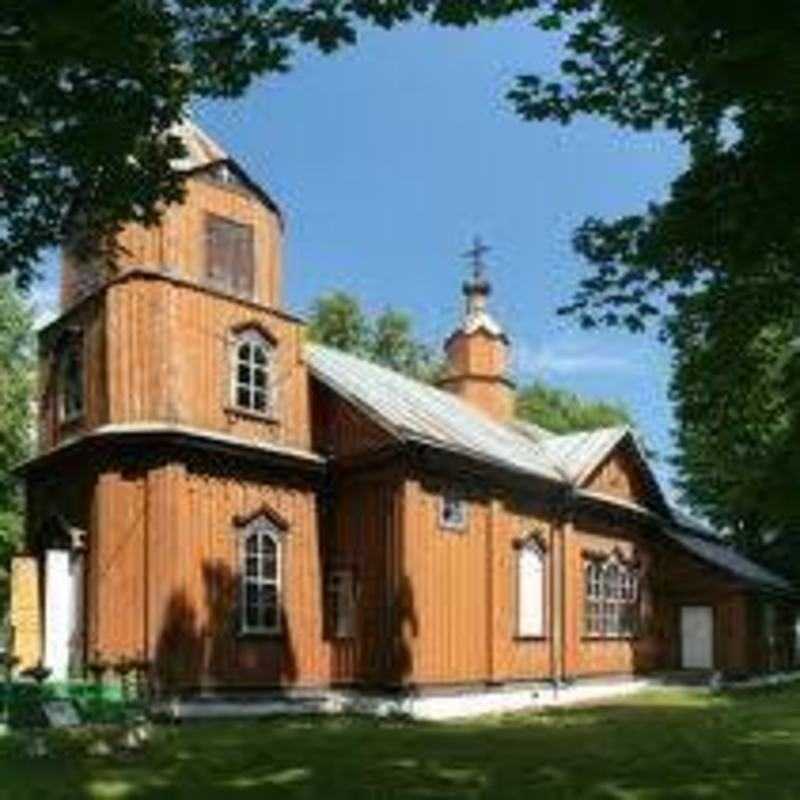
(531, 625)
(456, 498)
(611, 599)
(255, 339)
(260, 527)
(73, 349)
(342, 603)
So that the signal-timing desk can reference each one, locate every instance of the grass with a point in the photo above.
(674, 744)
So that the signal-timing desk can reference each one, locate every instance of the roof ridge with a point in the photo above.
(444, 402)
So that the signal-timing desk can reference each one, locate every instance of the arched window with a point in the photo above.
(253, 380)
(70, 380)
(611, 595)
(530, 589)
(260, 571)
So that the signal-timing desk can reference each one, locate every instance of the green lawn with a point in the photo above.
(660, 745)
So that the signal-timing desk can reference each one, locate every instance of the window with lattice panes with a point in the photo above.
(253, 386)
(611, 598)
(260, 577)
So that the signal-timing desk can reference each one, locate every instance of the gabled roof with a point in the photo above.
(201, 150)
(714, 551)
(577, 453)
(203, 153)
(413, 411)
(479, 320)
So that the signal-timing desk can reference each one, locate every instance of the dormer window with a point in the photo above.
(70, 380)
(230, 256)
(253, 380)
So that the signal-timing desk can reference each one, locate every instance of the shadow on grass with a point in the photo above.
(670, 745)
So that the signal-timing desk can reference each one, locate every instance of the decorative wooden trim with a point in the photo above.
(264, 510)
(259, 327)
(615, 554)
(534, 537)
(268, 418)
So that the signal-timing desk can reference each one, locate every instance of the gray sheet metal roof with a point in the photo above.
(576, 453)
(412, 410)
(721, 555)
(201, 149)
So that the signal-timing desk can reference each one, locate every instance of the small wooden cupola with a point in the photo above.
(478, 350)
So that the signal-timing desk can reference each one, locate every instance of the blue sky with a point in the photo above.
(389, 157)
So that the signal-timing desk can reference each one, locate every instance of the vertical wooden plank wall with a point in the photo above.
(462, 589)
(166, 570)
(177, 245)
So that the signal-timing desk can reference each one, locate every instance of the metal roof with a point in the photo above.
(715, 552)
(201, 149)
(578, 454)
(411, 410)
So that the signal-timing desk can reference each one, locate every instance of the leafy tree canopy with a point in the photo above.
(89, 90)
(338, 320)
(562, 411)
(736, 394)
(16, 395)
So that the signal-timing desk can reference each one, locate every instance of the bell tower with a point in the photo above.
(477, 350)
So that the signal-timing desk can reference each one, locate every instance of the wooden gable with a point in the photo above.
(340, 429)
(624, 474)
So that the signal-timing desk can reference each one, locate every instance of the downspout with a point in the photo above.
(554, 579)
(565, 521)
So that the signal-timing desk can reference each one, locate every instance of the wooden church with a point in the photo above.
(241, 509)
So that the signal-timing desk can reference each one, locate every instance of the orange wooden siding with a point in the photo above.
(165, 568)
(158, 351)
(177, 245)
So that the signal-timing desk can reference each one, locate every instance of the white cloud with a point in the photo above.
(574, 356)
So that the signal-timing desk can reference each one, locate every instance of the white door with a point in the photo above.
(697, 637)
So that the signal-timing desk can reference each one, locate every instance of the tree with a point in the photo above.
(337, 320)
(736, 401)
(16, 395)
(393, 344)
(89, 90)
(561, 411)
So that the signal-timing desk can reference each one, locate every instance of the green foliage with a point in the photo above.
(658, 745)
(724, 76)
(736, 402)
(561, 411)
(16, 393)
(90, 88)
(337, 320)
